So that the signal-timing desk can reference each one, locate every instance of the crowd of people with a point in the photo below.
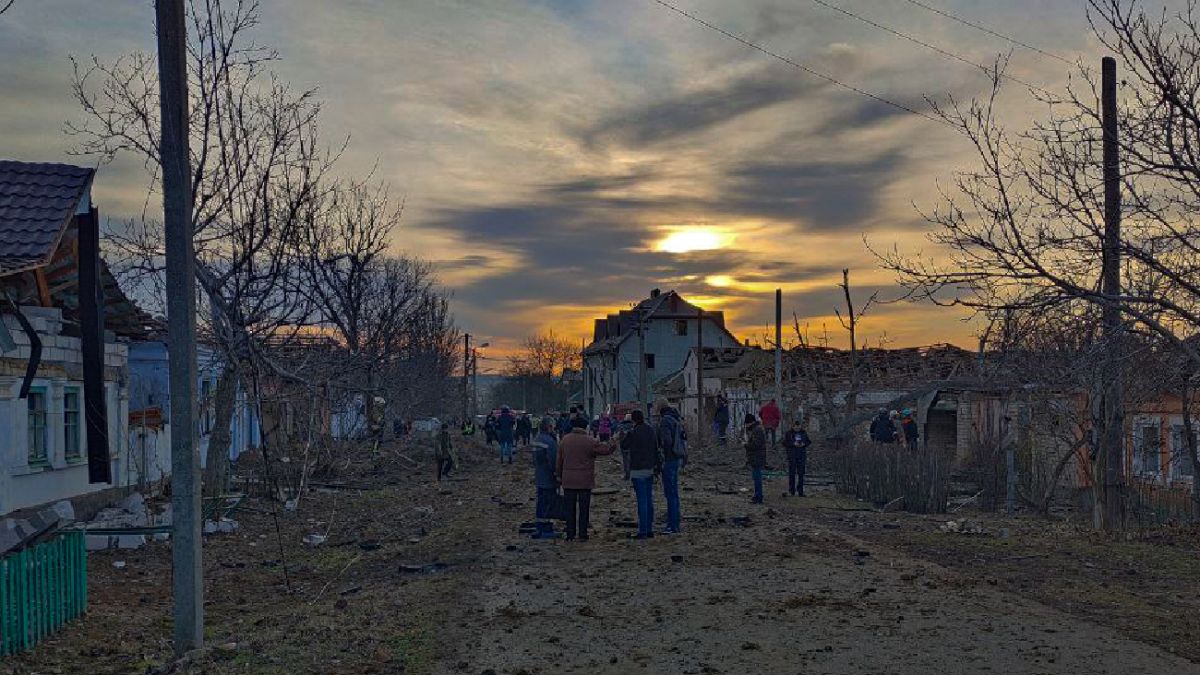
(567, 445)
(897, 426)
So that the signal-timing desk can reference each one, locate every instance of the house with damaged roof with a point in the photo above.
(658, 332)
(65, 326)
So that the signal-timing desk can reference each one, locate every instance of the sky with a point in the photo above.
(561, 158)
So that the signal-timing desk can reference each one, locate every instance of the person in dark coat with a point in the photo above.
(576, 462)
(524, 429)
(564, 424)
(721, 419)
(641, 442)
(672, 442)
(756, 454)
(545, 473)
(489, 428)
(882, 429)
(797, 442)
(444, 453)
(506, 425)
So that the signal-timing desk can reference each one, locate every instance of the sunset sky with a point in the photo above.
(561, 158)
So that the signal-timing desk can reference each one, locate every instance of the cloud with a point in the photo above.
(692, 112)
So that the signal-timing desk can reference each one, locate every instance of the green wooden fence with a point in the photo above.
(41, 588)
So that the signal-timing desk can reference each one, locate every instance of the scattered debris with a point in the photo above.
(314, 539)
(119, 564)
(427, 568)
(964, 527)
(223, 526)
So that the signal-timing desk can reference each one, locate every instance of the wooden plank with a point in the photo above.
(43, 288)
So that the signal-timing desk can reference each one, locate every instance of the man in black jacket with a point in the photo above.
(796, 441)
(641, 443)
(756, 454)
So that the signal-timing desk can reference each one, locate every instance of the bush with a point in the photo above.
(882, 473)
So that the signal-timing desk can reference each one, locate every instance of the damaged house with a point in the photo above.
(64, 330)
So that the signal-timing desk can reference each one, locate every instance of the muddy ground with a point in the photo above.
(417, 577)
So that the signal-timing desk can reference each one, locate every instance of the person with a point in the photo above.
(489, 428)
(641, 444)
(882, 430)
(444, 453)
(756, 454)
(623, 428)
(771, 416)
(672, 441)
(594, 427)
(577, 413)
(908, 425)
(564, 424)
(604, 429)
(506, 425)
(545, 469)
(797, 443)
(524, 429)
(721, 419)
(576, 472)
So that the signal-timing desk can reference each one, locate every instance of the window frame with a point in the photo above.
(1178, 452)
(1140, 448)
(31, 459)
(77, 455)
(681, 328)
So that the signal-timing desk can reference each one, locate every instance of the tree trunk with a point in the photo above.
(216, 472)
(1189, 438)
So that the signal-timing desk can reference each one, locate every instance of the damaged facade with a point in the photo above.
(671, 327)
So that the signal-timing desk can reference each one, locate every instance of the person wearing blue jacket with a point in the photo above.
(545, 461)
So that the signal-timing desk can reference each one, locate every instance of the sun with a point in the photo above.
(693, 239)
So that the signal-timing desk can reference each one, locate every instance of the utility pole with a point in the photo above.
(466, 373)
(642, 361)
(186, 552)
(700, 372)
(1112, 443)
(474, 382)
(779, 347)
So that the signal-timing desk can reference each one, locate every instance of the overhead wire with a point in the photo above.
(991, 71)
(800, 66)
(989, 31)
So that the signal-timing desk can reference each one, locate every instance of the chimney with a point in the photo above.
(655, 293)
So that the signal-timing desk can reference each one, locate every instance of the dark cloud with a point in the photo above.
(821, 195)
(667, 119)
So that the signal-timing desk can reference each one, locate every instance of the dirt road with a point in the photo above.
(417, 577)
(783, 594)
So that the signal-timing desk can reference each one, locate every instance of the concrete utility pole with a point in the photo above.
(474, 382)
(466, 374)
(181, 326)
(1112, 442)
(779, 347)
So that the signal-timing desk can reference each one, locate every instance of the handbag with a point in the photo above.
(560, 508)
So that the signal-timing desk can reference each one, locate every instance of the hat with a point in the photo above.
(751, 419)
(906, 412)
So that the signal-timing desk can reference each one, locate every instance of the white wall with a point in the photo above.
(22, 484)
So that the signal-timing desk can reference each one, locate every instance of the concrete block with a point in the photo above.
(97, 542)
(131, 540)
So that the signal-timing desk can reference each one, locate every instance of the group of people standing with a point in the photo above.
(568, 462)
(896, 427)
(762, 433)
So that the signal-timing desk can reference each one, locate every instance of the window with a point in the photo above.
(37, 427)
(649, 362)
(681, 327)
(71, 426)
(1181, 463)
(1148, 447)
(205, 407)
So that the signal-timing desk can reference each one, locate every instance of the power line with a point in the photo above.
(989, 31)
(800, 66)
(990, 71)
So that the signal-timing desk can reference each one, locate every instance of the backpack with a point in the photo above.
(672, 436)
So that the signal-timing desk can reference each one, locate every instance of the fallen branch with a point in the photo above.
(968, 501)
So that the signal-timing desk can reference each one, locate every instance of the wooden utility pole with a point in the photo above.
(700, 373)
(466, 374)
(474, 382)
(779, 347)
(188, 573)
(1112, 441)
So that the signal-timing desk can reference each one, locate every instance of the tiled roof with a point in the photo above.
(36, 203)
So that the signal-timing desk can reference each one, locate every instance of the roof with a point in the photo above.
(36, 203)
(610, 332)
